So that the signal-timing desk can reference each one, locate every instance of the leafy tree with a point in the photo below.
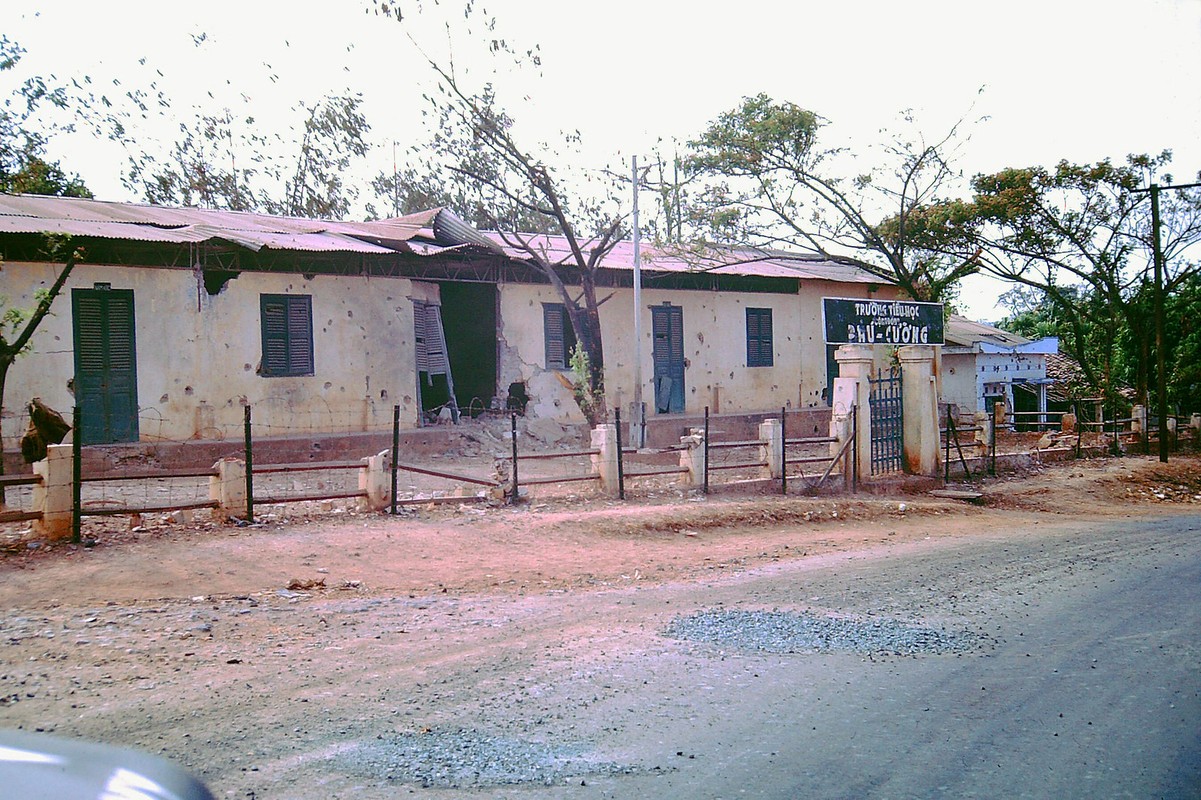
(24, 168)
(17, 325)
(413, 189)
(1030, 314)
(1183, 333)
(1091, 334)
(201, 169)
(475, 160)
(772, 183)
(1082, 231)
(225, 161)
(332, 138)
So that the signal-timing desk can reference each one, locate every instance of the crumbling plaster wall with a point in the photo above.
(522, 354)
(198, 354)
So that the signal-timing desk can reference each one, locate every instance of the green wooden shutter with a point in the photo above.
(106, 383)
(287, 333)
(274, 312)
(667, 356)
(552, 325)
(419, 350)
(760, 349)
(300, 335)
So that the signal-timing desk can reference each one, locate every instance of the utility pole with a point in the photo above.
(1161, 379)
(395, 184)
(638, 408)
(1161, 369)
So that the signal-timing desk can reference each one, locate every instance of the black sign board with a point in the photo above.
(890, 322)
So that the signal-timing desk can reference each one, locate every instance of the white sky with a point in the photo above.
(1061, 79)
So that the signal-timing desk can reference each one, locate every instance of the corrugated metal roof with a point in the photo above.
(965, 333)
(715, 260)
(145, 223)
(109, 230)
(425, 233)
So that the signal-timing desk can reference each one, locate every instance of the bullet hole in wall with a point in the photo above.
(187, 390)
(383, 395)
(328, 385)
(164, 399)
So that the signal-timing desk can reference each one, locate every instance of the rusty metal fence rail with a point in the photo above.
(18, 514)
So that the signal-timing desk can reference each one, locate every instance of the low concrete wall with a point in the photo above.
(415, 443)
(665, 430)
(1013, 462)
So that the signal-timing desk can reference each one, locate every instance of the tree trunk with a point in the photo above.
(586, 324)
(595, 348)
(5, 363)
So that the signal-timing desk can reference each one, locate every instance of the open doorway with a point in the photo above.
(469, 323)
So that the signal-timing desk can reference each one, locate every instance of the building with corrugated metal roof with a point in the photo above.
(983, 365)
(179, 317)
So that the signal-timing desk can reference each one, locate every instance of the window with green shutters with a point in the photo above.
(287, 322)
(759, 348)
(559, 335)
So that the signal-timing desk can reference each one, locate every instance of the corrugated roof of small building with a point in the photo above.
(963, 332)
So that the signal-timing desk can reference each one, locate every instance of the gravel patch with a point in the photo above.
(793, 632)
(466, 758)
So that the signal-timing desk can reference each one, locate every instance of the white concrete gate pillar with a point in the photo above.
(855, 363)
(920, 401)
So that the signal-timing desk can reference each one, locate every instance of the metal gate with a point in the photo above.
(888, 423)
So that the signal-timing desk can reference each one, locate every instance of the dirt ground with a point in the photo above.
(550, 542)
(202, 641)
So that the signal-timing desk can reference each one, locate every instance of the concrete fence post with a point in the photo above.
(983, 429)
(1138, 420)
(228, 488)
(1195, 423)
(375, 478)
(692, 458)
(604, 462)
(920, 398)
(53, 495)
(842, 426)
(770, 450)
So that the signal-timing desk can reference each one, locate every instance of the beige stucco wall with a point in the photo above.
(959, 380)
(197, 354)
(716, 374)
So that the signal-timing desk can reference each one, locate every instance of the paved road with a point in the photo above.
(1093, 688)
(1089, 685)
